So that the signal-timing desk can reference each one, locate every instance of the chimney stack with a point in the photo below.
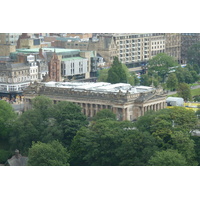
(17, 153)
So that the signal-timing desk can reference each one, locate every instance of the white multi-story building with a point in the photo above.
(73, 66)
(33, 68)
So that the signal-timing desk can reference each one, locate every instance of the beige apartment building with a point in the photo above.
(138, 48)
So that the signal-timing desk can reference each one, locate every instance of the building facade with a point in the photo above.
(15, 76)
(64, 58)
(126, 101)
(9, 38)
(177, 45)
(6, 49)
(130, 48)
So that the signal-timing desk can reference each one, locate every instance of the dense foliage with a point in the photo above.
(59, 134)
(46, 122)
(118, 73)
(48, 154)
(161, 64)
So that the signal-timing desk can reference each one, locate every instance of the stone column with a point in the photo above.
(142, 111)
(123, 114)
(91, 110)
(82, 109)
(114, 110)
(86, 109)
(95, 109)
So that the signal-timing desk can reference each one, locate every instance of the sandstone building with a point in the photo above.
(177, 45)
(126, 101)
(133, 49)
(9, 38)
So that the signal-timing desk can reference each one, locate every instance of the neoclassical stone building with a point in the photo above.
(126, 101)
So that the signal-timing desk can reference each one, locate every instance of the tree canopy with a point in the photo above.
(172, 81)
(167, 157)
(7, 115)
(111, 143)
(117, 74)
(48, 154)
(104, 114)
(171, 129)
(59, 122)
(184, 91)
(161, 63)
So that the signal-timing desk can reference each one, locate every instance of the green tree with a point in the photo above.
(184, 119)
(97, 144)
(111, 143)
(43, 104)
(196, 68)
(131, 77)
(117, 74)
(161, 63)
(145, 80)
(7, 115)
(50, 154)
(167, 157)
(180, 74)
(196, 140)
(195, 76)
(70, 119)
(186, 146)
(172, 81)
(27, 128)
(60, 122)
(103, 75)
(136, 148)
(171, 129)
(188, 77)
(184, 91)
(105, 114)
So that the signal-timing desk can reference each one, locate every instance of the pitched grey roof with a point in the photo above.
(20, 161)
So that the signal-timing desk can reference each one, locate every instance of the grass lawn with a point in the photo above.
(195, 92)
